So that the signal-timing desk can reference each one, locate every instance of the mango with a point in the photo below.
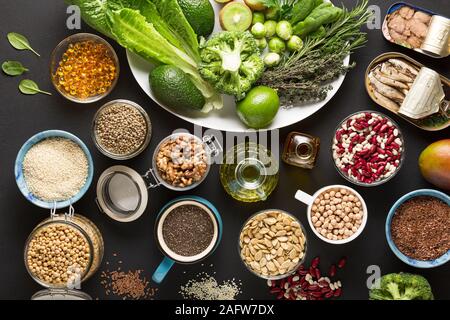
(434, 163)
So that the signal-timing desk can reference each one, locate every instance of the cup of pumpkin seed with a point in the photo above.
(272, 244)
(121, 129)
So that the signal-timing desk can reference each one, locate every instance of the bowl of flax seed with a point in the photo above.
(418, 228)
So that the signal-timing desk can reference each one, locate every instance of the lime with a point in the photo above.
(258, 109)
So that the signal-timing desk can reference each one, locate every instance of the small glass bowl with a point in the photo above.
(300, 262)
(166, 184)
(376, 183)
(61, 48)
(136, 152)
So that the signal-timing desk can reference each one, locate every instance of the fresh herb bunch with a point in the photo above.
(304, 81)
(303, 76)
(346, 29)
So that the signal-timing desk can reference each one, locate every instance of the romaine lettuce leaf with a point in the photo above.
(132, 31)
(171, 12)
(93, 13)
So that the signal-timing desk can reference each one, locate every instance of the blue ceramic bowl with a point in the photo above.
(18, 172)
(410, 261)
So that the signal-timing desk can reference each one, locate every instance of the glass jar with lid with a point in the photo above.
(122, 192)
(63, 251)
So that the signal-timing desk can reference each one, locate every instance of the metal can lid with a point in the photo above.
(122, 193)
(425, 96)
(436, 42)
(60, 294)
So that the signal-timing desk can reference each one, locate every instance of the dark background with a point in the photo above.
(44, 23)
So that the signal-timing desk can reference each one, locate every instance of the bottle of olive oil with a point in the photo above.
(249, 173)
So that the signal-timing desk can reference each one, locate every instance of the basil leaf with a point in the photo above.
(30, 87)
(13, 68)
(20, 42)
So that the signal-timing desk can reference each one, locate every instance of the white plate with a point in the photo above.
(226, 119)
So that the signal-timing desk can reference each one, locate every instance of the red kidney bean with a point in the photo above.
(342, 262)
(329, 294)
(317, 273)
(337, 292)
(313, 287)
(316, 294)
(332, 271)
(275, 290)
(315, 262)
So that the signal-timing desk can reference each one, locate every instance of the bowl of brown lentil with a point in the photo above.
(418, 228)
(121, 129)
(84, 68)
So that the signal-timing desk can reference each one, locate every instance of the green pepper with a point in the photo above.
(317, 18)
(317, 3)
(301, 10)
(319, 33)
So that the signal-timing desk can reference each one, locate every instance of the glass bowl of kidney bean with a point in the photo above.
(368, 148)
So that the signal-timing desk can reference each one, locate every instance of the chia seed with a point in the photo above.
(188, 230)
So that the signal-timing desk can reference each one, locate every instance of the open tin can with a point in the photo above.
(419, 94)
(122, 192)
(418, 29)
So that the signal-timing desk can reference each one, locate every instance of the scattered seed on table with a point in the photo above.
(206, 287)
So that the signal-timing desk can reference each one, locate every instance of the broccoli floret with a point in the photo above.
(231, 62)
(402, 286)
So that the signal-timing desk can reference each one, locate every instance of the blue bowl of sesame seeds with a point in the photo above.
(19, 173)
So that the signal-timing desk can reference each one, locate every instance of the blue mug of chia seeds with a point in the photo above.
(188, 229)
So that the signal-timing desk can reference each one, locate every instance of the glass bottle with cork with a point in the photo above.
(301, 150)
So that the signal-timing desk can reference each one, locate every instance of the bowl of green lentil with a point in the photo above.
(121, 129)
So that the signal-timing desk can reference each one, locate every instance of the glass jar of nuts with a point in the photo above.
(63, 251)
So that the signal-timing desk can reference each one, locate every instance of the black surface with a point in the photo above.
(43, 22)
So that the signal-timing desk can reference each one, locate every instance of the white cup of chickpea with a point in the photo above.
(337, 214)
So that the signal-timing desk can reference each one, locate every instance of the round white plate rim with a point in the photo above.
(226, 119)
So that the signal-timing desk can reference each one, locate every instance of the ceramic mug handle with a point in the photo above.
(162, 270)
(304, 197)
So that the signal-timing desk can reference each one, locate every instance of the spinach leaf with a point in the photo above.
(30, 87)
(13, 68)
(20, 42)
